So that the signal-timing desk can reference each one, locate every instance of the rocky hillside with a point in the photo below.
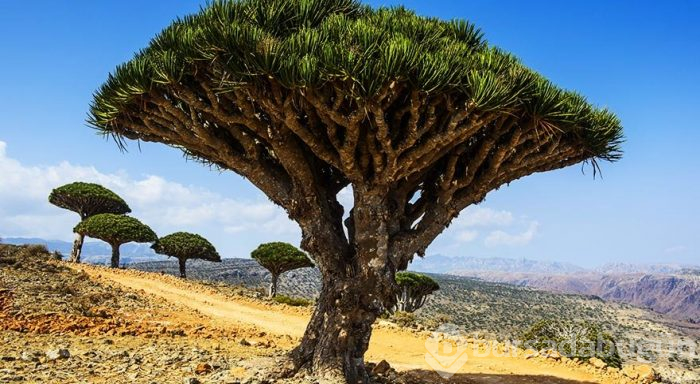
(303, 282)
(677, 296)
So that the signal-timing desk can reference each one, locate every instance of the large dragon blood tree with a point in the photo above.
(420, 116)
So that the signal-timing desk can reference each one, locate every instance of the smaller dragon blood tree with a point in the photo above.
(116, 230)
(278, 257)
(86, 199)
(414, 289)
(184, 246)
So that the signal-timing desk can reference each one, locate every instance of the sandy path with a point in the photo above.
(404, 350)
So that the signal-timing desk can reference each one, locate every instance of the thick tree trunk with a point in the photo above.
(182, 261)
(77, 248)
(338, 334)
(273, 285)
(115, 256)
(358, 286)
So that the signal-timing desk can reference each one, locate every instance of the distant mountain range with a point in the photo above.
(673, 290)
(95, 252)
(456, 265)
(460, 265)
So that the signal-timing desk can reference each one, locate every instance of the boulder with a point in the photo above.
(642, 373)
(56, 354)
(382, 368)
(203, 369)
(530, 353)
(551, 354)
(598, 363)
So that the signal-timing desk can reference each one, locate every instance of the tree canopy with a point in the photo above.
(414, 289)
(88, 199)
(184, 245)
(279, 257)
(417, 281)
(379, 96)
(116, 229)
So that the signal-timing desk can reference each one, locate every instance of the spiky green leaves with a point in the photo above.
(417, 282)
(311, 43)
(88, 199)
(279, 257)
(184, 245)
(116, 229)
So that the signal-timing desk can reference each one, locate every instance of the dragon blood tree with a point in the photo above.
(115, 230)
(414, 289)
(86, 199)
(420, 116)
(278, 258)
(184, 246)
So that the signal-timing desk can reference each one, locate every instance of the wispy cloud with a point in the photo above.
(165, 205)
(466, 236)
(499, 237)
(483, 217)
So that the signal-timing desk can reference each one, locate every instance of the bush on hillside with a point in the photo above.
(573, 339)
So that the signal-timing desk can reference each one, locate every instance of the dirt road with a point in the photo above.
(404, 350)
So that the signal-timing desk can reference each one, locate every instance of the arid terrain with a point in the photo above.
(67, 323)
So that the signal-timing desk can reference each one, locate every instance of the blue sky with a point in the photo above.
(638, 58)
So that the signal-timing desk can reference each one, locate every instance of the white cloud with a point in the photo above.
(165, 205)
(497, 238)
(477, 216)
(466, 236)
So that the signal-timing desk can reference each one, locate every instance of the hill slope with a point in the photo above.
(157, 328)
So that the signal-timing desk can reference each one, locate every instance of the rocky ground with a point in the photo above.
(65, 324)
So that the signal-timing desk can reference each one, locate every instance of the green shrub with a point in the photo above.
(437, 320)
(292, 301)
(405, 319)
(581, 340)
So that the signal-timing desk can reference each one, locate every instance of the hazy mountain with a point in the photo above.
(675, 295)
(455, 265)
(95, 252)
(669, 289)
(652, 269)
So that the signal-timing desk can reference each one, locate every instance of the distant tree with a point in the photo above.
(414, 289)
(115, 230)
(278, 257)
(574, 339)
(86, 199)
(184, 246)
